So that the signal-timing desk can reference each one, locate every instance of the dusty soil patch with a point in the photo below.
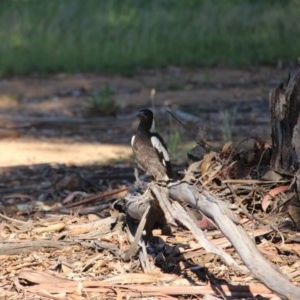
(35, 152)
(54, 109)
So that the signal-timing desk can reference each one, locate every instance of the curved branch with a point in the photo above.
(223, 217)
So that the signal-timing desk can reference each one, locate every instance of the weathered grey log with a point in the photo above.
(180, 215)
(136, 205)
(217, 210)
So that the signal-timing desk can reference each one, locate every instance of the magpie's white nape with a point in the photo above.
(149, 148)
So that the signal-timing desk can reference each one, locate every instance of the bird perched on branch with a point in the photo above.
(150, 150)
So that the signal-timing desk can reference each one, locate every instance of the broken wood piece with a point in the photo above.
(92, 229)
(135, 205)
(164, 203)
(11, 248)
(100, 196)
(133, 248)
(49, 228)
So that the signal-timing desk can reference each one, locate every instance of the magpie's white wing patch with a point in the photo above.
(132, 140)
(157, 144)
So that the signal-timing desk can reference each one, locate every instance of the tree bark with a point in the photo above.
(285, 125)
(285, 110)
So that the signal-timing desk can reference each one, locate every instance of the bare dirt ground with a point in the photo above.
(46, 119)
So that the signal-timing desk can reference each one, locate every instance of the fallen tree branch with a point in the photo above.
(179, 214)
(223, 217)
(11, 248)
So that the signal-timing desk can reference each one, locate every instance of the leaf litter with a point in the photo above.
(63, 238)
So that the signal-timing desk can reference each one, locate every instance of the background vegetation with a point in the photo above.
(122, 36)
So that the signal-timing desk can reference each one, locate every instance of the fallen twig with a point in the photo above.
(100, 196)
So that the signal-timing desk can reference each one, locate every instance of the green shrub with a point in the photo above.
(122, 36)
(101, 102)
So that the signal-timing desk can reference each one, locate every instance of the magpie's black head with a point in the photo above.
(145, 114)
(146, 119)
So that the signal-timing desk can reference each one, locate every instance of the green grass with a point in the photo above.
(228, 120)
(123, 36)
(101, 102)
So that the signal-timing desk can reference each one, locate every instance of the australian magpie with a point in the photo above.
(150, 150)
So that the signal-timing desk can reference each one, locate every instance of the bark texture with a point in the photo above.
(285, 125)
(285, 110)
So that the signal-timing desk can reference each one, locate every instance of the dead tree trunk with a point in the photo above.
(285, 110)
(285, 125)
